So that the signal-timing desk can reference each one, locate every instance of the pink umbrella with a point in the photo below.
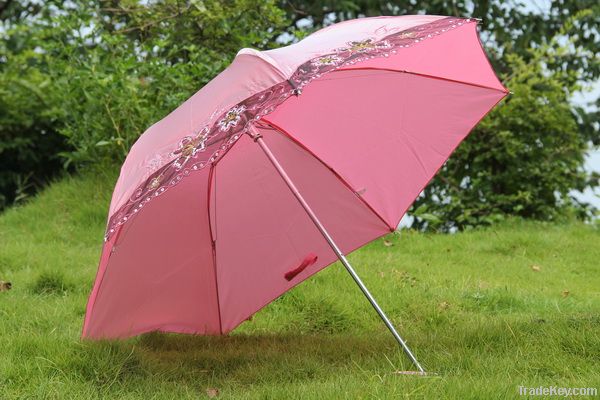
(356, 118)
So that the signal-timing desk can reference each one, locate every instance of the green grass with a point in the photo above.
(470, 305)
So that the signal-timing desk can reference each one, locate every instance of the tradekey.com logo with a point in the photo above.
(557, 391)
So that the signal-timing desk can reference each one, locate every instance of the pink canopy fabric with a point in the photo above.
(203, 232)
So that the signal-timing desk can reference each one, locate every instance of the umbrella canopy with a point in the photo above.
(202, 230)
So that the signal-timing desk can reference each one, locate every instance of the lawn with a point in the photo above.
(486, 310)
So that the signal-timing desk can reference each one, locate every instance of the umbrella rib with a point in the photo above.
(421, 75)
(213, 238)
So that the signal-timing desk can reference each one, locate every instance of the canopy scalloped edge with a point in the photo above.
(210, 142)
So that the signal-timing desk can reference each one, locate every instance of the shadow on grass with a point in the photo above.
(241, 359)
(553, 347)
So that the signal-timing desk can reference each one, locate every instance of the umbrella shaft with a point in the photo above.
(334, 247)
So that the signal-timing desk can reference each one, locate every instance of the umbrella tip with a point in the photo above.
(415, 373)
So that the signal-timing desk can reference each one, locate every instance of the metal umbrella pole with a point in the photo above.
(258, 139)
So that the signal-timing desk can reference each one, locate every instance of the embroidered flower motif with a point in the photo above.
(232, 118)
(189, 146)
(155, 182)
(188, 150)
(407, 35)
(366, 45)
(330, 59)
(360, 46)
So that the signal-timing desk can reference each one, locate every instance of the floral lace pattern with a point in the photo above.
(208, 144)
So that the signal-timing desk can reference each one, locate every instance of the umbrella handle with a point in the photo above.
(257, 137)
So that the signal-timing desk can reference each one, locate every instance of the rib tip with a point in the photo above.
(415, 373)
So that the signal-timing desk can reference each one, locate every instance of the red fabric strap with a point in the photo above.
(307, 262)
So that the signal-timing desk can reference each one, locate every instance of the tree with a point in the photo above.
(29, 139)
(82, 80)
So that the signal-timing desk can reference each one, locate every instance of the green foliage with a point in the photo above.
(138, 63)
(80, 81)
(29, 141)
